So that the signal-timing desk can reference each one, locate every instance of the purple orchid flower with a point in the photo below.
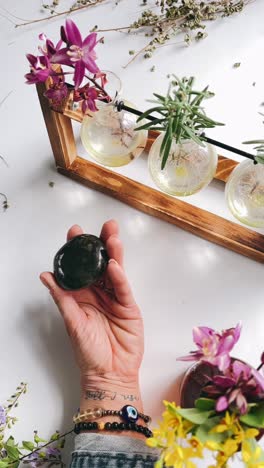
(2, 416)
(78, 53)
(90, 97)
(239, 385)
(49, 48)
(40, 69)
(213, 347)
(57, 91)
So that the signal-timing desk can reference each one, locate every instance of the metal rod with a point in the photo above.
(121, 106)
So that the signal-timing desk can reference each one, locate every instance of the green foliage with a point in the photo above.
(194, 415)
(259, 158)
(11, 453)
(204, 433)
(27, 445)
(181, 115)
(205, 404)
(255, 417)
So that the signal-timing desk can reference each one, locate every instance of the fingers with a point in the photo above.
(120, 284)
(115, 249)
(109, 228)
(66, 303)
(74, 231)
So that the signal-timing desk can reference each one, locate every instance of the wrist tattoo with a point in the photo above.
(100, 395)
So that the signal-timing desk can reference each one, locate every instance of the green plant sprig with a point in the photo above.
(181, 115)
(259, 158)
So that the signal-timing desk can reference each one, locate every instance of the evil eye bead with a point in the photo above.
(129, 413)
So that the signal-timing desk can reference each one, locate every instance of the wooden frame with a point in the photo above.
(196, 220)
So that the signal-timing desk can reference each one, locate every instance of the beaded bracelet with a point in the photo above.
(128, 413)
(115, 426)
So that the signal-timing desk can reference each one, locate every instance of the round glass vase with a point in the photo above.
(110, 137)
(245, 193)
(189, 167)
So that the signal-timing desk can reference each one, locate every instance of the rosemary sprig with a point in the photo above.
(259, 158)
(180, 115)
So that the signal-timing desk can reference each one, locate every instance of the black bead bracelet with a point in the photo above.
(114, 426)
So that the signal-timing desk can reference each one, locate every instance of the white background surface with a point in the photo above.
(179, 280)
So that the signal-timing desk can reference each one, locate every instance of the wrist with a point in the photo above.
(110, 393)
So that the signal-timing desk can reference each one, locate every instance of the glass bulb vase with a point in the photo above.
(245, 193)
(110, 137)
(189, 167)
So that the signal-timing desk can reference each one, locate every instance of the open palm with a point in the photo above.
(105, 326)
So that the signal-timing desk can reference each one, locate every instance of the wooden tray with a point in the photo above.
(153, 202)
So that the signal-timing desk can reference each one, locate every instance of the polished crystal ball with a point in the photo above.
(80, 262)
(110, 137)
(188, 169)
(245, 193)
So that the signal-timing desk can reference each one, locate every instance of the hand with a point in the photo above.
(106, 331)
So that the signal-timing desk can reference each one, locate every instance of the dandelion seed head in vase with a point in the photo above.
(110, 137)
(245, 193)
(188, 169)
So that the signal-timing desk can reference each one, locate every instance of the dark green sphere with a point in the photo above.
(80, 262)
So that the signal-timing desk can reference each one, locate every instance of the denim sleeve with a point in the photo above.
(109, 451)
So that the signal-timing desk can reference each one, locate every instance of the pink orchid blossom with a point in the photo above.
(88, 95)
(40, 69)
(213, 347)
(49, 48)
(240, 385)
(78, 53)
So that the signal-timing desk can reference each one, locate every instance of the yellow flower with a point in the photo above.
(228, 423)
(252, 454)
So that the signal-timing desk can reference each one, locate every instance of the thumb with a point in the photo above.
(64, 300)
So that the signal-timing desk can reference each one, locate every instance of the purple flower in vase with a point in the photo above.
(40, 69)
(239, 385)
(58, 90)
(2, 416)
(213, 347)
(79, 53)
(88, 95)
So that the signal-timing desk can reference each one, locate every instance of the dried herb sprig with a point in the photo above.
(172, 17)
(76, 6)
(180, 115)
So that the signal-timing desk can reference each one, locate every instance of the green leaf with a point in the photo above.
(158, 96)
(194, 415)
(149, 111)
(260, 159)
(149, 124)
(205, 404)
(255, 417)
(4, 464)
(55, 436)
(12, 452)
(192, 135)
(253, 142)
(10, 441)
(27, 445)
(38, 439)
(203, 431)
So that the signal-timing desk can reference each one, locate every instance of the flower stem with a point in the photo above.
(45, 445)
